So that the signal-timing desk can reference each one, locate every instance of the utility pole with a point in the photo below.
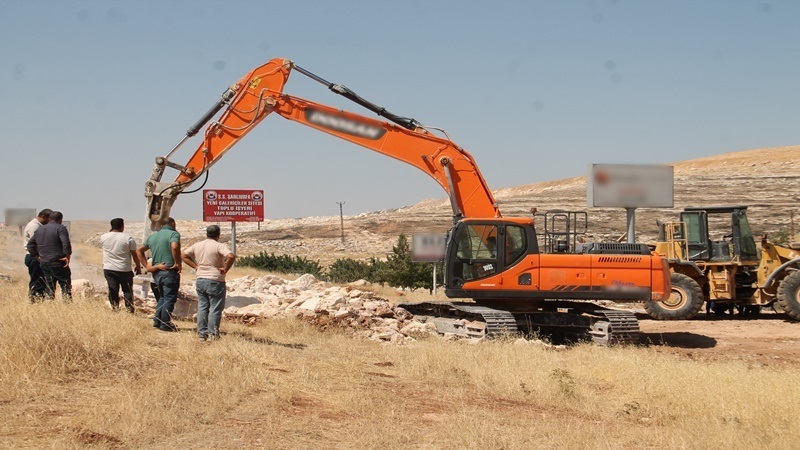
(341, 218)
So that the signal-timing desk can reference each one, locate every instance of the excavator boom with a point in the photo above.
(260, 93)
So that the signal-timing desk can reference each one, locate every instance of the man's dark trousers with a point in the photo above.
(116, 280)
(36, 285)
(168, 282)
(57, 272)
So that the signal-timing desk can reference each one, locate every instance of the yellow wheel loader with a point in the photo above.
(722, 268)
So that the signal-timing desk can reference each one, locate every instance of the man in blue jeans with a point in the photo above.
(165, 265)
(212, 260)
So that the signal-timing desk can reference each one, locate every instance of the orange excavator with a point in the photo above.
(493, 260)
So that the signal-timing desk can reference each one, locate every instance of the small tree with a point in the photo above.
(399, 269)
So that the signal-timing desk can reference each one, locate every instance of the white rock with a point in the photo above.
(82, 288)
(342, 313)
(335, 300)
(371, 305)
(240, 301)
(392, 323)
(355, 303)
(304, 282)
(296, 303)
(255, 309)
(311, 304)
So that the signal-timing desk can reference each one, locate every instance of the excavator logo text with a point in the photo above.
(343, 124)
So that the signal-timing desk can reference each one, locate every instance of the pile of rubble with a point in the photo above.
(309, 299)
(251, 299)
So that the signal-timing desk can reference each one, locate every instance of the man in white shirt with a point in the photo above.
(36, 285)
(119, 258)
(212, 260)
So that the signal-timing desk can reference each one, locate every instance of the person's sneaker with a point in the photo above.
(202, 337)
(168, 328)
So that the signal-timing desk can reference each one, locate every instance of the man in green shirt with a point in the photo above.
(165, 265)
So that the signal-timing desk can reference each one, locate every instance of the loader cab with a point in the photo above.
(482, 248)
(718, 239)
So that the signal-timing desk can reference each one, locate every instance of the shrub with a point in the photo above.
(398, 270)
(281, 263)
(347, 270)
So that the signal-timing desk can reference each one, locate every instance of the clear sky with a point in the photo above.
(93, 91)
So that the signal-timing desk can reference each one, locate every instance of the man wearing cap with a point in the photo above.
(212, 260)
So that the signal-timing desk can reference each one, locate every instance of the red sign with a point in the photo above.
(233, 205)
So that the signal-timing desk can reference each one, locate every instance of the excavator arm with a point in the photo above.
(260, 93)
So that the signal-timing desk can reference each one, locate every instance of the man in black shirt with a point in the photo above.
(51, 246)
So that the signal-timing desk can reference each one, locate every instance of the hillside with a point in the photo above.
(767, 180)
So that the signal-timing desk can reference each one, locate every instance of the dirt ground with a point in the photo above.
(770, 340)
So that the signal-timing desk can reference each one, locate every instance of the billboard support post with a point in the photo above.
(631, 213)
(434, 279)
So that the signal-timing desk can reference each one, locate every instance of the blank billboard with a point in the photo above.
(630, 186)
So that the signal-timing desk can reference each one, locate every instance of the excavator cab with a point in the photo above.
(482, 248)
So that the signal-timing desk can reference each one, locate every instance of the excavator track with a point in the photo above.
(618, 328)
(604, 326)
(466, 319)
(498, 322)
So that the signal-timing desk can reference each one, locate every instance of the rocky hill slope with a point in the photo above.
(766, 180)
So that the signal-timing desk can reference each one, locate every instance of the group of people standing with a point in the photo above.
(49, 251)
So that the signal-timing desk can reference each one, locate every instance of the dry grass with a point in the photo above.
(80, 375)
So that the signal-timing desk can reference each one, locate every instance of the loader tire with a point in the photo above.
(789, 295)
(684, 302)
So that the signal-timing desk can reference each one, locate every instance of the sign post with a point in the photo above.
(233, 205)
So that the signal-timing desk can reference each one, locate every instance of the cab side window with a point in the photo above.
(515, 244)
